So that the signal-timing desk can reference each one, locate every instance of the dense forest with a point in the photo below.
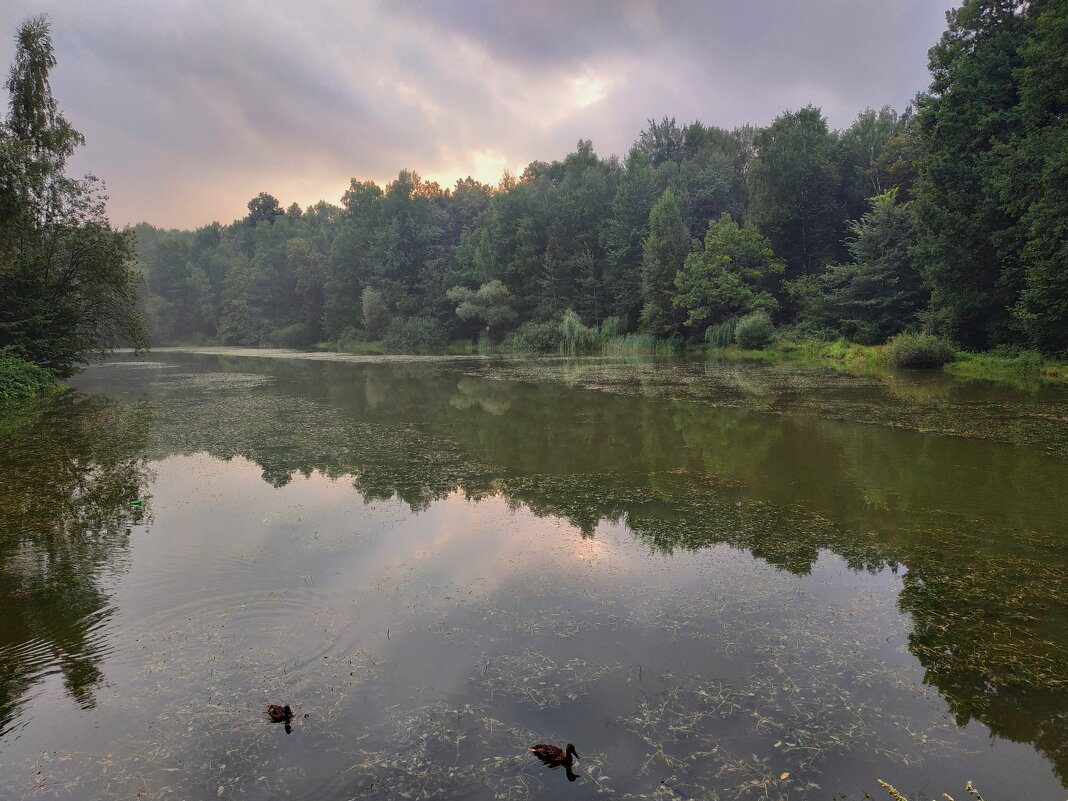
(950, 217)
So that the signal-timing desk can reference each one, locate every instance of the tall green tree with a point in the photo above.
(711, 178)
(238, 324)
(409, 257)
(491, 304)
(895, 166)
(733, 274)
(352, 256)
(543, 237)
(264, 208)
(1037, 176)
(68, 289)
(662, 141)
(663, 254)
(969, 235)
(375, 313)
(309, 272)
(793, 187)
(858, 147)
(876, 295)
(625, 231)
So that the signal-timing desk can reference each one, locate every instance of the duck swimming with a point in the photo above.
(280, 714)
(554, 754)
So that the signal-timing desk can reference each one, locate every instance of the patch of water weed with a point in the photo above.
(954, 408)
(216, 382)
(777, 389)
(141, 365)
(516, 617)
(995, 654)
(980, 642)
(443, 751)
(287, 435)
(535, 679)
(799, 722)
(210, 736)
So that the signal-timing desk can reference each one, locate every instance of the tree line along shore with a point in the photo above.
(930, 236)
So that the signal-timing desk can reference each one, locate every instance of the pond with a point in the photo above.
(719, 581)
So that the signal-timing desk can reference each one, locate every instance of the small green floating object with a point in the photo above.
(136, 503)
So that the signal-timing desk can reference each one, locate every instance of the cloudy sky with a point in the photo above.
(191, 107)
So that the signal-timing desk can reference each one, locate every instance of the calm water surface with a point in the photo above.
(718, 581)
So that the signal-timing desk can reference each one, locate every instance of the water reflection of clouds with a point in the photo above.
(304, 549)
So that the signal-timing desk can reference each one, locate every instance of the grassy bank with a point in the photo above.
(1025, 365)
(1015, 367)
(847, 354)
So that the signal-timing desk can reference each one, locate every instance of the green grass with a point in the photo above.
(811, 351)
(1025, 366)
(633, 343)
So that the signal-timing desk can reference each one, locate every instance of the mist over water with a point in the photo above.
(717, 581)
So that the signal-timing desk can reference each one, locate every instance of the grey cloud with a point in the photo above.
(191, 108)
(559, 33)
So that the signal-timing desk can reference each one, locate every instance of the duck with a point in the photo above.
(555, 755)
(280, 714)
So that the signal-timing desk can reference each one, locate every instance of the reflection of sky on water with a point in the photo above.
(437, 643)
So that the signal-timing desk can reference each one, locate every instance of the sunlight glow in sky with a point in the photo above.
(190, 109)
(587, 91)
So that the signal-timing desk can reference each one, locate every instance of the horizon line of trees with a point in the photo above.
(683, 233)
(951, 217)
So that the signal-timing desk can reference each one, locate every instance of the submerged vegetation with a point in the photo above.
(788, 633)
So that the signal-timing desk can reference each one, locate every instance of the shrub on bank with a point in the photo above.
(754, 331)
(533, 337)
(721, 335)
(297, 335)
(918, 352)
(20, 379)
(611, 327)
(575, 337)
(416, 335)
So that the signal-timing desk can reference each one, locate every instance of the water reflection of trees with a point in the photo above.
(690, 463)
(66, 482)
